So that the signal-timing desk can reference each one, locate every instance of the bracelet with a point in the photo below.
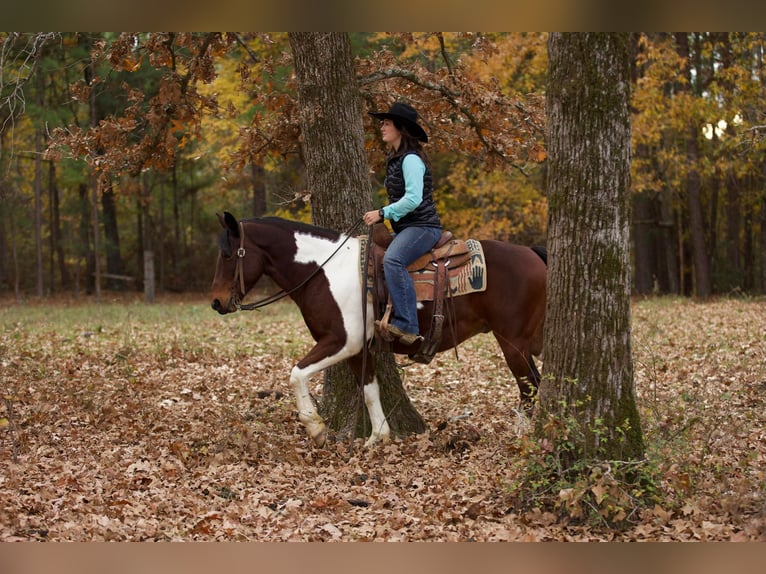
(380, 212)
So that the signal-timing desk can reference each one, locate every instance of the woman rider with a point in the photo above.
(411, 211)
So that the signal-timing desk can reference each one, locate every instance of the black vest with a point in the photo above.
(424, 215)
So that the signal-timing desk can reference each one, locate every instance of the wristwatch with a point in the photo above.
(380, 212)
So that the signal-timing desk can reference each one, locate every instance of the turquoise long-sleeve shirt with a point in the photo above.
(413, 170)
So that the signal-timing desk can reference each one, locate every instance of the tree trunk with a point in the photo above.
(39, 212)
(588, 371)
(644, 221)
(734, 276)
(702, 282)
(4, 253)
(85, 252)
(38, 186)
(148, 243)
(114, 264)
(643, 241)
(5, 210)
(57, 245)
(339, 184)
(95, 185)
(732, 265)
(762, 238)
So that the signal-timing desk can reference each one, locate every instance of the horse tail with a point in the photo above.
(542, 253)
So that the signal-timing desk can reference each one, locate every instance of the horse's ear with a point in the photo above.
(228, 221)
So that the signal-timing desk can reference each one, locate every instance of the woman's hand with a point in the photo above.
(372, 217)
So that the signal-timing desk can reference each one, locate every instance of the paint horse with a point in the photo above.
(320, 270)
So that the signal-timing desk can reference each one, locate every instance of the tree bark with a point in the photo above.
(702, 283)
(95, 185)
(643, 241)
(762, 238)
(338, 181)
(588, 370)
(39, 212)
(734, 276)
(57, 246)
(85, 251)
(114, 265)
(147, 240)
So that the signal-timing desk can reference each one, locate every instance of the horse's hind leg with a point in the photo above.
(380, 432)
(522, 365)
(533, 383)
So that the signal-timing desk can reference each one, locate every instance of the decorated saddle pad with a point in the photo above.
(465, 279)
(468, 278)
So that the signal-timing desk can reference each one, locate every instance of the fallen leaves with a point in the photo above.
(167, 422)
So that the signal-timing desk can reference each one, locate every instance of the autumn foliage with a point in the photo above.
(155, 132)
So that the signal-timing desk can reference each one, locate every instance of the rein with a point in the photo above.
(239, 275)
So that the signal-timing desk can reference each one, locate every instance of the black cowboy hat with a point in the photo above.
(405, 115)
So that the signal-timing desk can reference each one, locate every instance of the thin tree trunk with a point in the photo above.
(57, 245)
(39, 212)
(84, 251)
(178, 247)
(763, 229)
(95, 182)
(643, 242)
(114, 266)
(644, 222)
(5, 209)
(668, 246)
(733, 278)
(702, 282)
(95, 185)
(733, 233)
(38, 188)
(4, 252)
(148, 243)
(161, 242)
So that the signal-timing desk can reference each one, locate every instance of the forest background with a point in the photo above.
(117, 150)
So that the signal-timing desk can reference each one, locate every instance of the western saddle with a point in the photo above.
(431, 275)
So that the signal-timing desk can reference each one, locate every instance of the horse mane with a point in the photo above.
(297, 226)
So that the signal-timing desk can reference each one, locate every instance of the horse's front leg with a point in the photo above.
(380, 431)
(307, 413)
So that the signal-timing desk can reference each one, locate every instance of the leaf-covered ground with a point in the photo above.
(168, 422)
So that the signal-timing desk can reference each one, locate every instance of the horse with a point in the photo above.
(319, 269)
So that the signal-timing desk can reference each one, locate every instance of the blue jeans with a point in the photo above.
(407, 246)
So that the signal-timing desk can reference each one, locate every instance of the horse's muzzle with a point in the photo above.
(230, 307)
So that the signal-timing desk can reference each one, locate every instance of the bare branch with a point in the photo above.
(16, 68)
(241, 41)
(447, 60)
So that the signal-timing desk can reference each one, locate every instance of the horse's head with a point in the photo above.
(238, 268)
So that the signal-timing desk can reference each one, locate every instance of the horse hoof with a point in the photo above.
(375, 440)
(320, 439)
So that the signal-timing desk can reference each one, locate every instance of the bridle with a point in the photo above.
(238, 284)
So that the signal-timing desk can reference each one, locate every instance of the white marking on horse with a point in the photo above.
(306, 412)
(342, 273)
(380, 429)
